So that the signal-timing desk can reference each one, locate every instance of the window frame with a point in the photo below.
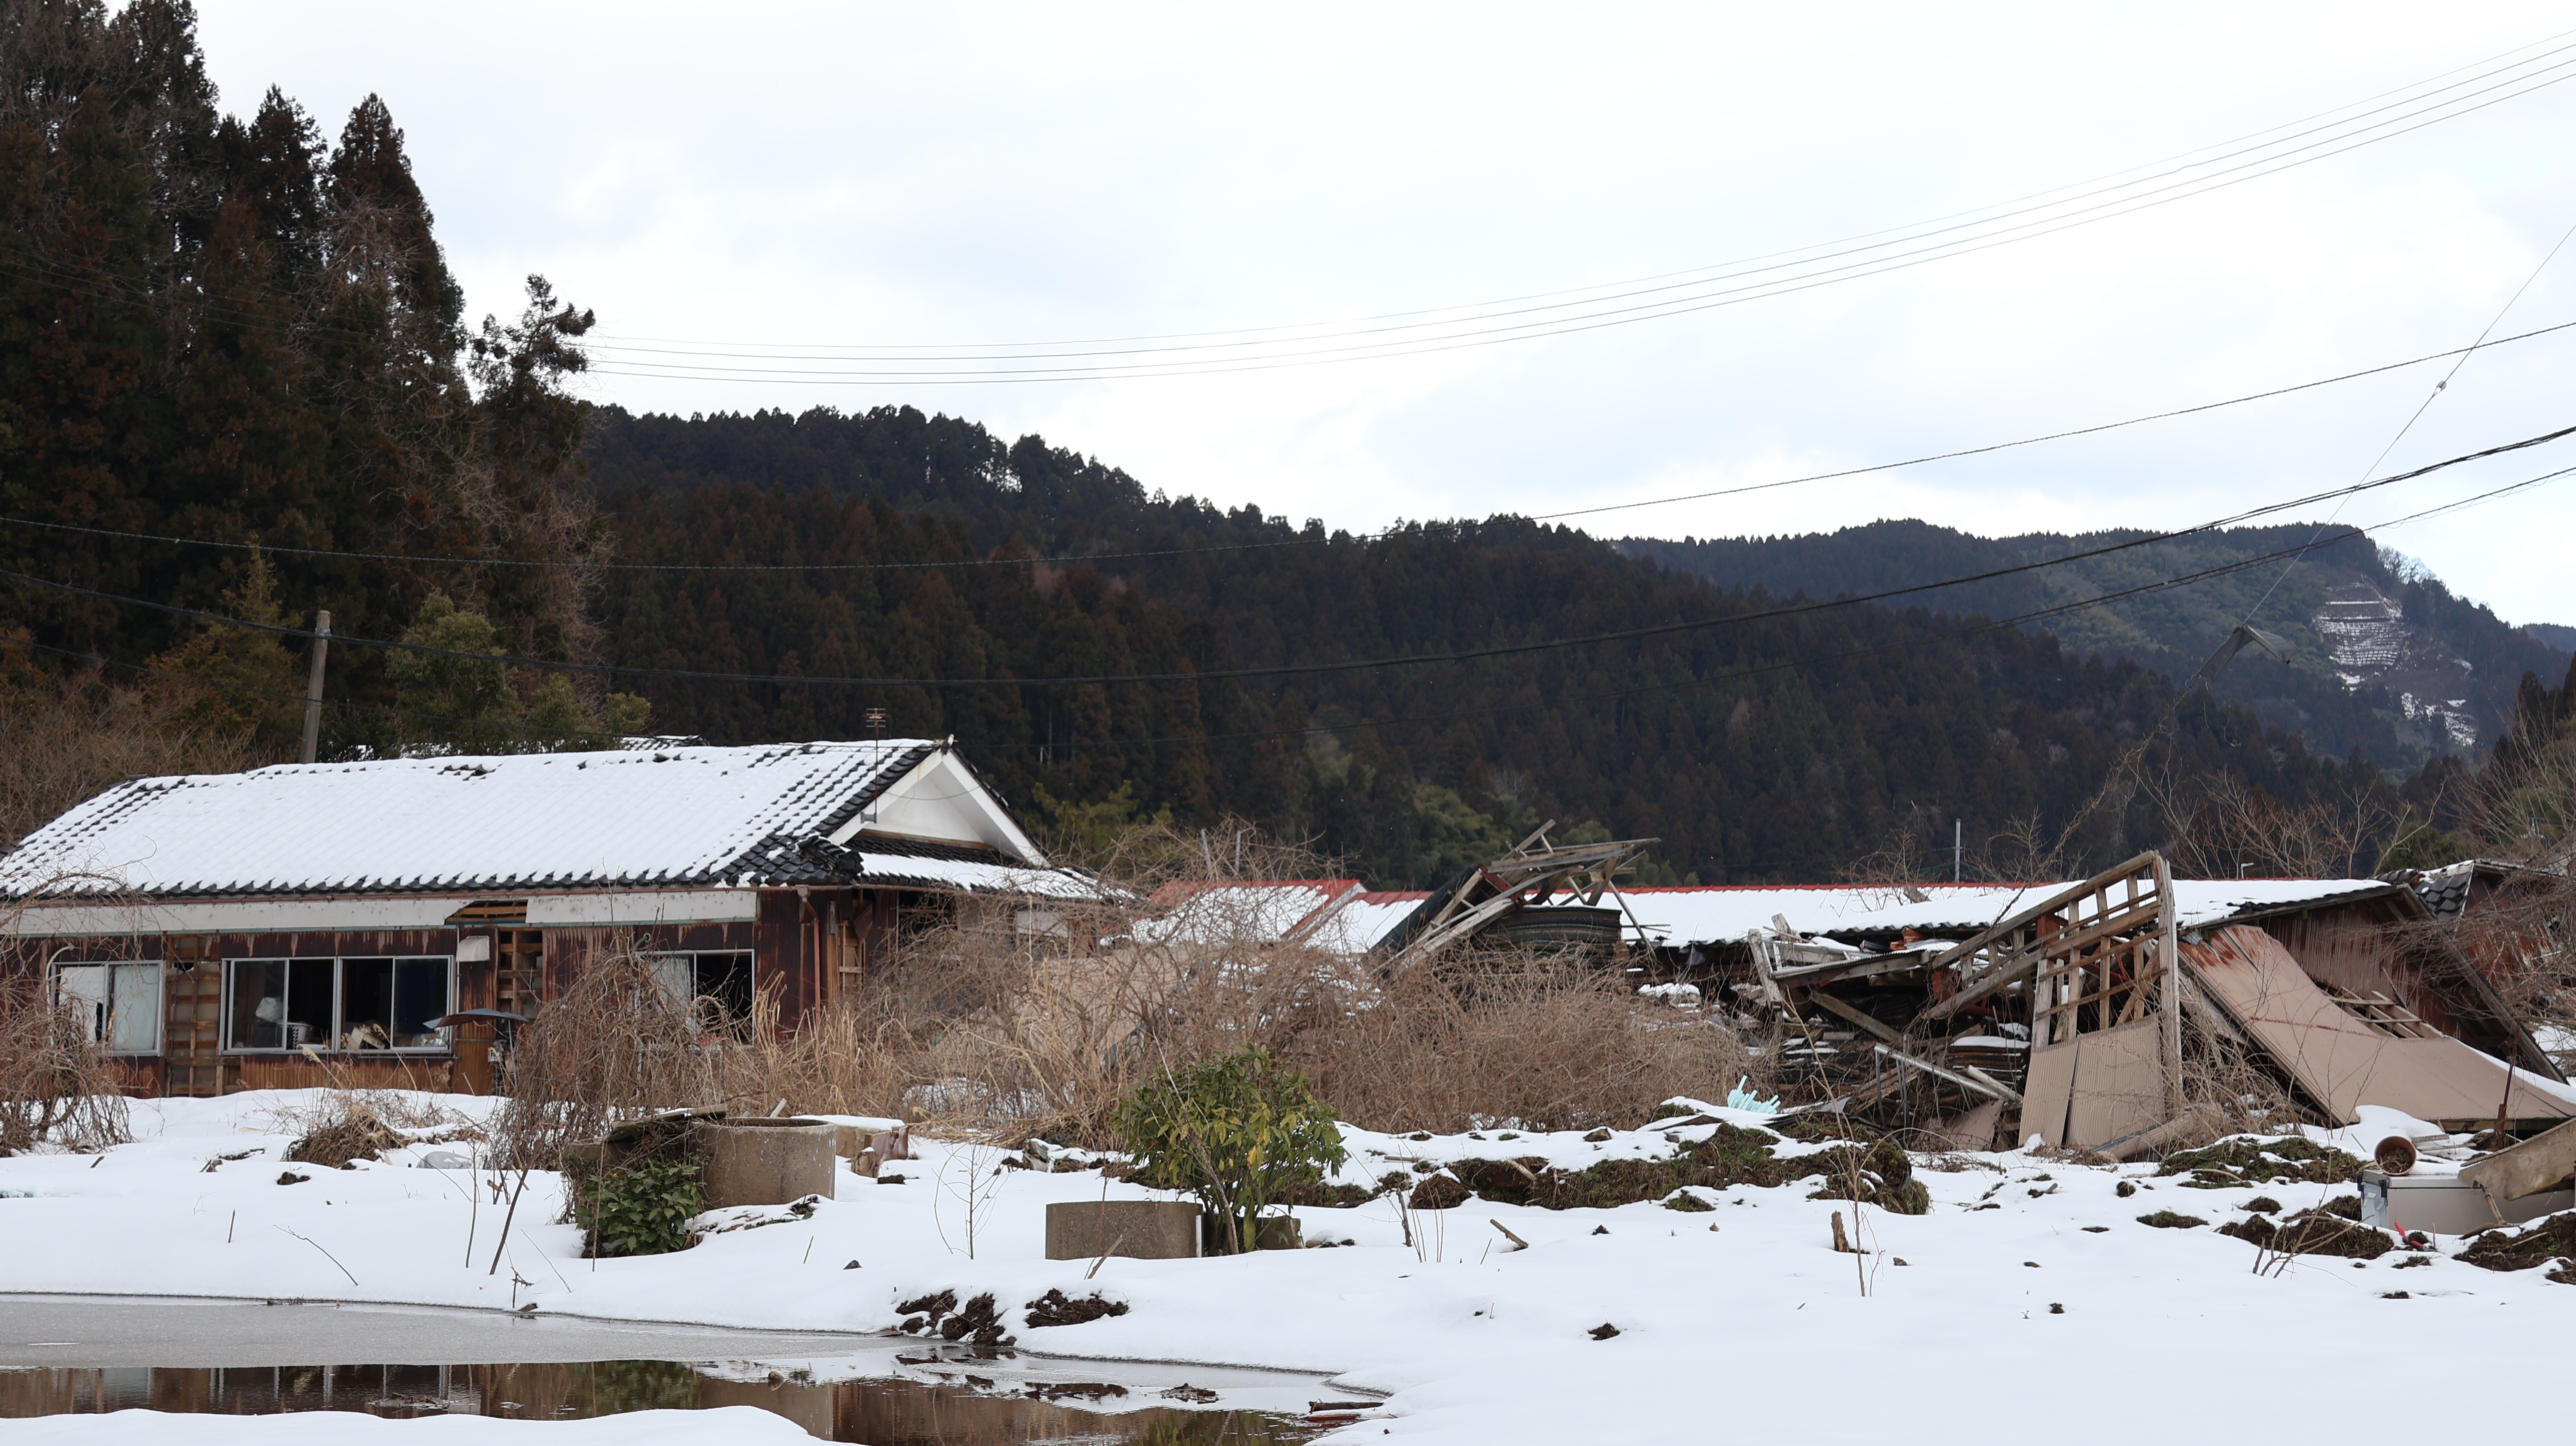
(337, 1009)
(105, 1029)
(749, 992)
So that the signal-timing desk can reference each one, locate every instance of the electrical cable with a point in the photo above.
(1986, 626)
(1454, 340)
(2421, 408)
(1069, 559)
(2237, 142)
(1307, 669)
(2554, 72)
(1972, 630)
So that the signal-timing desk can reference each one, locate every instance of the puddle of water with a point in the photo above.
(948, 1398)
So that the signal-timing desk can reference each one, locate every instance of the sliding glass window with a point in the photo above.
(336, 1004)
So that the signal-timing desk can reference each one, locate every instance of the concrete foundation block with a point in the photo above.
(1138, 1229)
(763, 1161)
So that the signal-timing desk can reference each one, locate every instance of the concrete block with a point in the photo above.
(1138, 1229)
(763, 1161)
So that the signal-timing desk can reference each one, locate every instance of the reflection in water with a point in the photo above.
(974, 1410)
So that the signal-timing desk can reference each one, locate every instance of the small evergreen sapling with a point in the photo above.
(643, 1208)
(1238, 1132)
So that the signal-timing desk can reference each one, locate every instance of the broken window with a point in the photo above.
(724, 979)
(388, 1003)
(336, 1004)
(119, 1004)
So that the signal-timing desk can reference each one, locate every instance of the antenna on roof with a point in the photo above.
(875, 718)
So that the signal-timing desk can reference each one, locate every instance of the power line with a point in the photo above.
(1490, 304)
(1306, 669)
(299, 700)
(1068, 559)
(1972, 630)
(2490, 86)
(2421, 408)
(1698, 297)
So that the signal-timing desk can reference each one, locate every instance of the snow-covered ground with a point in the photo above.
(2029, 1298)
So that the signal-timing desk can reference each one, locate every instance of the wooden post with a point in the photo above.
(313, 686)
(2169, 957)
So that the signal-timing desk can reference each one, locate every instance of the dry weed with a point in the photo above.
(56, 1085)
(1001, 1024)
(613, 1046)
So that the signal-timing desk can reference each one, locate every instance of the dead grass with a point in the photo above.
(990, 1027)
(1005, 1025)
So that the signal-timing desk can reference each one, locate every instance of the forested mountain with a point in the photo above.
(1759, 747)
(237, 378)
(2384, 658)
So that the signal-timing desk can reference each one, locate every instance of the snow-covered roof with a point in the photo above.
(1357, 926)
(1267, 911)
(1704, 914)
(905, 812)
(1332, 914)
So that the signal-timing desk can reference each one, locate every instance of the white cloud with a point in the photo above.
(935, 174)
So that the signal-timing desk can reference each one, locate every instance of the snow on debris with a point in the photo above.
(1706, 914)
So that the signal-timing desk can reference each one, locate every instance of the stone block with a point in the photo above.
(1139, 1229)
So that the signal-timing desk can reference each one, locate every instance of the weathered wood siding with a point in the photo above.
(805, 950)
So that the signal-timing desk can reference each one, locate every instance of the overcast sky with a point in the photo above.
(857, 176)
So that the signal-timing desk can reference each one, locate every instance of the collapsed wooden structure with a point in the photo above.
(1514, 898)
(2078, 1018)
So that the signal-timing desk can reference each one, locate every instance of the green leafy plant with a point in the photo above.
(638, 1209)
(1240, 1133)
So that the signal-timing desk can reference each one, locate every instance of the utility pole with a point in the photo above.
(313, 686)
(1956, 850)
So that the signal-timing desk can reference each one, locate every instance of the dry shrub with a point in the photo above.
(841, 1061)
(1549, 1042)
(613, 1046)
(2226, 1092)
(1012, 1021)
(56, 1085)
(344, 1129)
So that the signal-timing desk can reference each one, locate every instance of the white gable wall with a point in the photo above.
(941, 801)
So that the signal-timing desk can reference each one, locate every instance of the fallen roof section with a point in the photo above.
(2342, 1058)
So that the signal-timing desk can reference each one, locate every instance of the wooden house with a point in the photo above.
(305, 923)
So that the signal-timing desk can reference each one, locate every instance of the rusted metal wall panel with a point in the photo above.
(2351, 949)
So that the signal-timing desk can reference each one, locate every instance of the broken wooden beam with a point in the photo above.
(1979, 1085)
(2528, 1168)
